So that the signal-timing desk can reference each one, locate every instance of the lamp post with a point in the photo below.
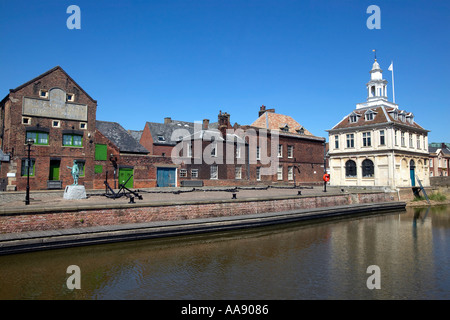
(27, 197)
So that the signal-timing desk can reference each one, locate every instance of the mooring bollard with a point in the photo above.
(299, 192)
(234, 196)
(131, 200)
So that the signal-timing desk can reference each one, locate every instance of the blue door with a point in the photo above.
(412, 173)
(165, 177)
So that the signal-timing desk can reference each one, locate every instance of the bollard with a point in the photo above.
(299, 192)
(131, 200)
(234, 196)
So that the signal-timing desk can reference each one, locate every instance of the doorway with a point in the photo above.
(412, 173)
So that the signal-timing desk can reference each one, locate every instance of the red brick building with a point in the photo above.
(54, 111)
(60, 118)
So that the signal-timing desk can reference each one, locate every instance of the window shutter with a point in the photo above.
(101, 152)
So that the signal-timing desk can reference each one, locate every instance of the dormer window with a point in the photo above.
(353, 118)
(370, 115)
(161, 138)
(285, 128)
(301, 130)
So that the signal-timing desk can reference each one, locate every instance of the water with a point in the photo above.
(326, 260)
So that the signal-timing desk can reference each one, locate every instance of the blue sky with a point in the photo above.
(188, 59)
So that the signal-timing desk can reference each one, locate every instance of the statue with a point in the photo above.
(75, 172)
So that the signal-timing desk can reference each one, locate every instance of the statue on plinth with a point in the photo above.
(75, 172)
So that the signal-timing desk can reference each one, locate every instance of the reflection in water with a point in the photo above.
(326, 260)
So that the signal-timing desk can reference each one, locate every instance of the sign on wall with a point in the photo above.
(55, 107)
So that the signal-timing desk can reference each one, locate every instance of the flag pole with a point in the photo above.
(391, 68)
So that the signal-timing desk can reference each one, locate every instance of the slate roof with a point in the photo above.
(445, 151)
(120, 137)
(382, 114)
(162, 132)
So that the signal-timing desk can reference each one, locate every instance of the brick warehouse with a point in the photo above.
(60, 117)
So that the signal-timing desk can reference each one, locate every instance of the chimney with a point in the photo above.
(205, 124)
(224, 122)
(263, 109)
(167, 120)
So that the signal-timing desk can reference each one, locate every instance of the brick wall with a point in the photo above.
(124, 214)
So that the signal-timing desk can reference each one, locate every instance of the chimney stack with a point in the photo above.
(263, 109)
(205, 124)
(167, 120)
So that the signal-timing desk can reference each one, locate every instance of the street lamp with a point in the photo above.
(27, 197)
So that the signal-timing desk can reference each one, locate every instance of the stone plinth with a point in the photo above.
(74, 193)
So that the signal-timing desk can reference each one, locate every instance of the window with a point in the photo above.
(194, 173)
(353, 118)
(83, 125)
(370, 115)
(280, 173)
(258, 153)
(418, 142)
(290, 151)
(183, 173)
(213, 149)
(81, 165)
(290, 173)
(161, 138)
(411, 140)
(214, 171)
(101, 152)
(280, 150)
(39, 138)
(26, 120)
(350, 140)
(367, 168)
(382, 138)
(238, 172)
(350, 169)
(258, 173)
(43, 93)
(395, 137)
(24, 170)
(336, 142)
(70, 97)
(72, 140)
(189, 149)
(56, 123)
(238, 151)
(367, 142)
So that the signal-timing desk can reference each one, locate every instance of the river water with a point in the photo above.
(320, 260)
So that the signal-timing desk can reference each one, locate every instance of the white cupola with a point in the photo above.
(377, 86)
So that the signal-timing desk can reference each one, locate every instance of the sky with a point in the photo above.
(189, 59)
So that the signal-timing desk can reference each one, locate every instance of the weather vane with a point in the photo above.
(375, 52)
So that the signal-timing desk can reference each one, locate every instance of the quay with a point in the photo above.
(51, 222)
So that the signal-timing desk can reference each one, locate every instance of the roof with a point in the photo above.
(120, 137)
(3, 156)
(445, 150)
(276, 121)
(162, 132)
(382, 115)
(136, 134)
(47, 73)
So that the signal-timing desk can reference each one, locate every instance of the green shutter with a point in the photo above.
(101, 152)
(98, 168)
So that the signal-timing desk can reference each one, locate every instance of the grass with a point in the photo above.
(434, 196)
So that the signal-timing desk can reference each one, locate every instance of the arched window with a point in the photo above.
(367, 169)
(350, 169)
